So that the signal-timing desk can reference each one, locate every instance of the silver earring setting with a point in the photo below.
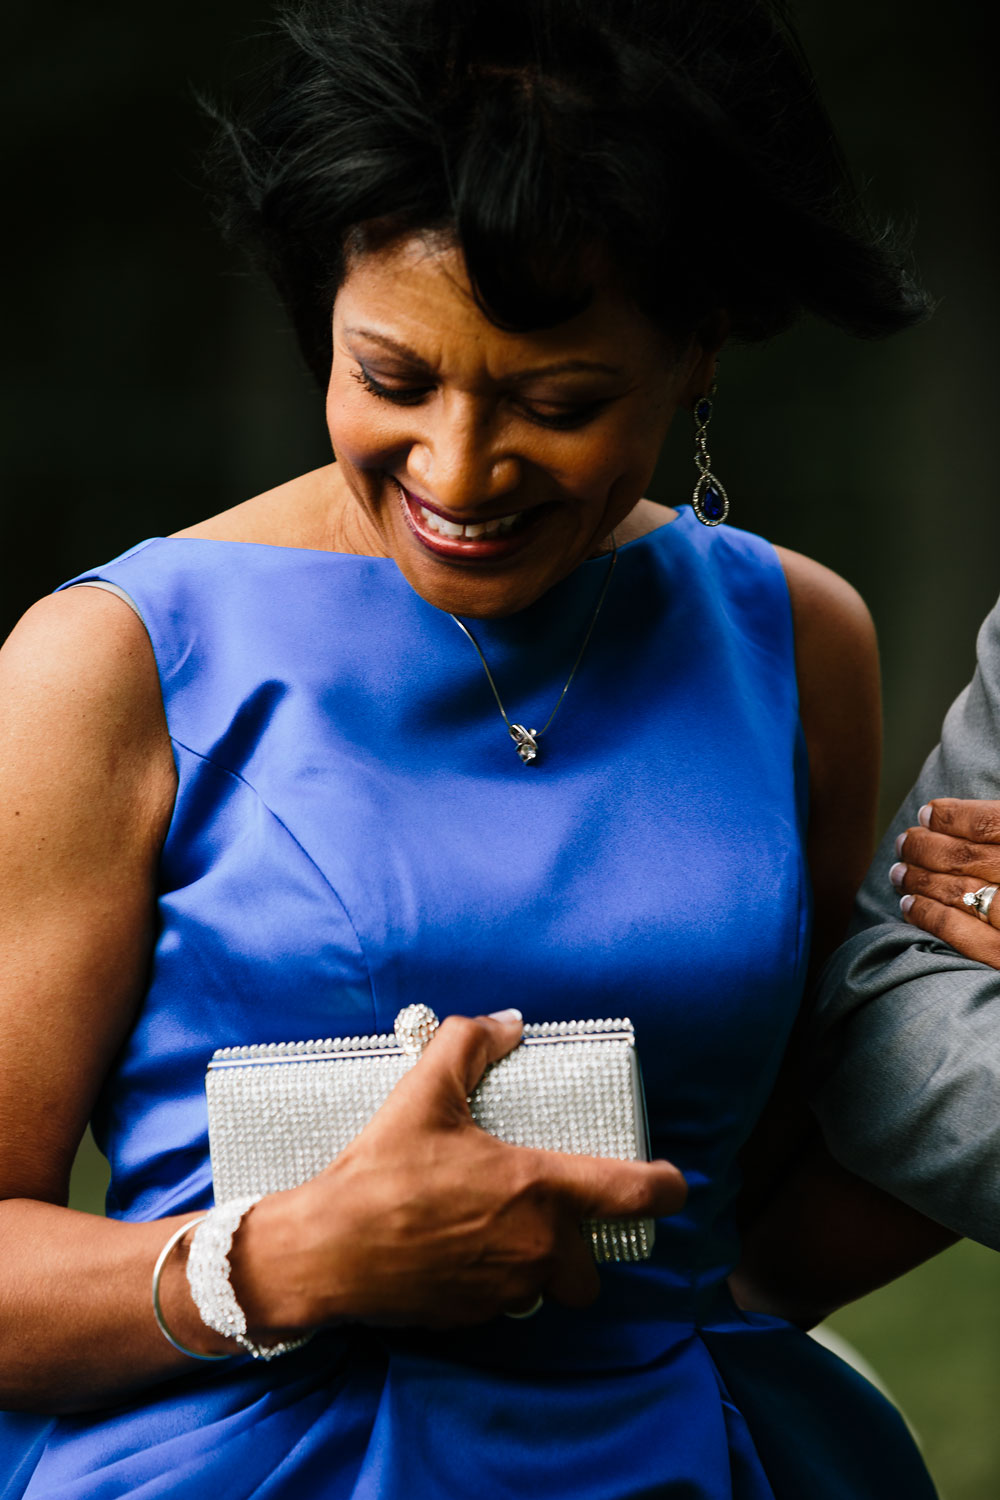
(709, 501)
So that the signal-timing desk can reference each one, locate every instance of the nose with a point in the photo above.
(459, 460)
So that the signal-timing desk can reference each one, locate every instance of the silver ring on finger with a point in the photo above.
(529, 1312)
(980, 901)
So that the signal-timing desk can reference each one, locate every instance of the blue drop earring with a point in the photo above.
(709, 501)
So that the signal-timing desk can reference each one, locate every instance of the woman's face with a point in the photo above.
(489, 464)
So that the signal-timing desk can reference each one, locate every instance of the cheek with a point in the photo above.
(612, 462)
(642, 443)
(362, 437)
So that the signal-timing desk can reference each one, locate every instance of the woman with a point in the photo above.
(461, 718)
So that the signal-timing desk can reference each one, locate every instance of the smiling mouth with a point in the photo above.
(472, 541)
(501, 526)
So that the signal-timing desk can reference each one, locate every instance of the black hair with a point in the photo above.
(682, 139)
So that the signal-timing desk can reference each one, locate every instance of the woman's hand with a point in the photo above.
(426, 1219)
(953, 852)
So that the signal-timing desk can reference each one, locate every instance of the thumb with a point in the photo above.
(463, 1047)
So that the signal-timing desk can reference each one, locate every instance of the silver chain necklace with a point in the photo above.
(526, 740)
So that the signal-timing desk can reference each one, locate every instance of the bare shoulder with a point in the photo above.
(836, 657)
(79, 662)
(86, 769)
(86, 791)
(294, 514)
(836, 650)
(822, 602)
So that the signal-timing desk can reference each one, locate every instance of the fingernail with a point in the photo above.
(899, 844)
(924, 815)
(897, 875)
(506, 1015)
(906, 903)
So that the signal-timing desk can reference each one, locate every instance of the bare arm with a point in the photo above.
(86, 792)
(86, 787)
(840, 710)
(836, 658)
(816, 1236)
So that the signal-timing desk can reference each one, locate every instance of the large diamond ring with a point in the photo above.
(980, 901)
(529, 1312)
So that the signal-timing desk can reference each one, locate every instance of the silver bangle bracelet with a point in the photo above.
(209, 1272)
(161, 1323)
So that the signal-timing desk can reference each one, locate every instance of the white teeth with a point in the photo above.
(498, 527)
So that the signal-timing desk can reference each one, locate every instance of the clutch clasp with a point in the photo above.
(414, 1027)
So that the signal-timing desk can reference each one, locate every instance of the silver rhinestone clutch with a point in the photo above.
(278, 1114)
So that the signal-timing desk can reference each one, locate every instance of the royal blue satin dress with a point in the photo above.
(354, 831)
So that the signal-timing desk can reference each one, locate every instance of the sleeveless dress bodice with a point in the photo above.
(353, 832)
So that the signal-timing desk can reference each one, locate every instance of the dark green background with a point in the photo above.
(148, 381)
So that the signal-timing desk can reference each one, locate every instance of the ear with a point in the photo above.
(703, 358)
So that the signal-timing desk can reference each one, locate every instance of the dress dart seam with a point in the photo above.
(228, 771)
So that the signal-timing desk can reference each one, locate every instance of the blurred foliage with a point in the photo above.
(89, 1180)
(148, 381)
(933, 1338)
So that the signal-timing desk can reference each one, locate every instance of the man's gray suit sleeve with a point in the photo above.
(906, 1045)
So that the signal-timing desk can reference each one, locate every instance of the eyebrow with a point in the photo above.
(560, 367)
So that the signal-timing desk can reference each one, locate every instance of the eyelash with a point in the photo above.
(578, 417)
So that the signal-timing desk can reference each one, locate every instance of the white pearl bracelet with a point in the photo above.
(209, 1272)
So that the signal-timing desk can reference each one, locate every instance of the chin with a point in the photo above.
(484, 590)
(477, 597)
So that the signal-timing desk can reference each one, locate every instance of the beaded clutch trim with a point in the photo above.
(279, 1113)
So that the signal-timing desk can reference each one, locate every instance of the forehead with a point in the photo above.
(416, 292)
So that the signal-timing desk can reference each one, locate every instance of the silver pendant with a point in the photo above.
(524, 739)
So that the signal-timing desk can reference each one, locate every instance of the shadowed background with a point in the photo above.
(148, 381)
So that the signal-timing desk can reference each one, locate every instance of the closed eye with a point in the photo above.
(561, 418)
(400, 395)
